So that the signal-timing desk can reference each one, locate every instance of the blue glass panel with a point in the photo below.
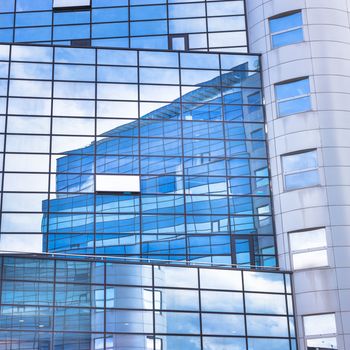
(121, 42)
(102, 3)
(110, 30)
(33, 34)
(71, 32)
(158, 204)
(286, 22)
(148, 28)
(297, 105)
(33, 19)
(7, 5)
(302, 179)
(117, 244)
(148, 12)
(75, 17)
(151, 42)
(292, 89)
(161, 184)
(163, 224)
(72, 243)
(178, 323)
(117, 223)
(287, 38)
(6, 20)
(74, 55)
(6, 35)
(110, 15)
(33, 5)
(28, 269)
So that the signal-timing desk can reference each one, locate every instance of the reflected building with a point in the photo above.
(60, 303)
(195, 161)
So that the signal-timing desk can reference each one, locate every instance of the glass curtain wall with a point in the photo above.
(157, 24)
(188, 127)
(78, 304)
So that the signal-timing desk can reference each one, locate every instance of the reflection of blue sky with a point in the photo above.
(84, 125)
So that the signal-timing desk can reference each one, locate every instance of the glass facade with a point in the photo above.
(115, 158)
(156, 24)
(96, 304)
(183, 126)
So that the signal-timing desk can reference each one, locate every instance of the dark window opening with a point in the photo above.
(81, 42)
(179, 42)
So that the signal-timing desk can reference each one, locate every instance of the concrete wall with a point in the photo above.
(324, 57)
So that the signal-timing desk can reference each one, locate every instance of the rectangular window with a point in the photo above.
(286, 29)
(320, 331)
(263, 212)
(118, 183)
(300, 170)
(178, 42)
(58, 4)
(293, 97)
(308, 248)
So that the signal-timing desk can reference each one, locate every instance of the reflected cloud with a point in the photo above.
(21, 243)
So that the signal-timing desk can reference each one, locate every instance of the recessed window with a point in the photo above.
(320, 331)
(154, 343)
(293, 97)
(179, 42)
(300, 170)
(80, 42)
(286, 29)
(117, 183)
(66, 4)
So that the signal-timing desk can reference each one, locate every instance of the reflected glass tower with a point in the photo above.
(135, 182)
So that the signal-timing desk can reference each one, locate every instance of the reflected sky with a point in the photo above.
(182, 120)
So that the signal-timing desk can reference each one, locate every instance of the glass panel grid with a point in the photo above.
(194, 146)
(206, 25)
(80, 305)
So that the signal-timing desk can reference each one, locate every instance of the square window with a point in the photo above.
(300, 170)
(286, 29)
(293, 97)
(179, 42)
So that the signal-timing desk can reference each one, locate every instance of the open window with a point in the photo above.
(179, 42)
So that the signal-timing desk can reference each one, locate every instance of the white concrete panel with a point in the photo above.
(71, 3)
(317, 302)
(117, 183)
(303, 198)
(315, 280)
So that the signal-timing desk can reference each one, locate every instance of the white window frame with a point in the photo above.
(281, 15)
(320, 248)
